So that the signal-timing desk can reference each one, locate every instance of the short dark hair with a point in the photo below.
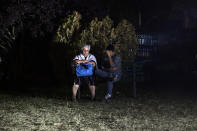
(110, 47)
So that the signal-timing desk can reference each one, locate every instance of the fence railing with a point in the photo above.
(149, 43)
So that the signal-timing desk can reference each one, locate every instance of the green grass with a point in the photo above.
(146, 112)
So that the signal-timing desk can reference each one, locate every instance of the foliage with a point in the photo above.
(38, 17)
(126, 41)
(38, 20)
(64, 46)
(22, 20)
(101, 33)
(98, 34)
(68, 28)
(7, 38)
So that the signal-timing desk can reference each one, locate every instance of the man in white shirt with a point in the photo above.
(84, 57)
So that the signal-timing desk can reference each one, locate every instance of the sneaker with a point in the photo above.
(107, 98)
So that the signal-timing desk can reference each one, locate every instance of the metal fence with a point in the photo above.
(149, 43)
(148, 48)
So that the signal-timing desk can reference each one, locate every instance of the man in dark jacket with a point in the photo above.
(111, 72)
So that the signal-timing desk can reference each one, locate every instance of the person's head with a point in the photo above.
(111, 49)
(85, 49)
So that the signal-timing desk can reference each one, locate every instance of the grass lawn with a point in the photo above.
(146, 112)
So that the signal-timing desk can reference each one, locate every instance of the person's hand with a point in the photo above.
(85, 61)
(108, 53)
(77, 62)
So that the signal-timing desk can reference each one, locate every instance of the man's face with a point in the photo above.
(85, 52)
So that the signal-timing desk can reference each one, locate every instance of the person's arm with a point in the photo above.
(77, 60)
(81, 61)
(111, 62)
(85, 61)
(93, 63)
(92, 59)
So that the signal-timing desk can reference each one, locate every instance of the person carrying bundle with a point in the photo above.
(85, 64)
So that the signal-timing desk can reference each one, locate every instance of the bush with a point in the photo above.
(101, 33)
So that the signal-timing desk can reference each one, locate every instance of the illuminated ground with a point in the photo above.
(146, 112)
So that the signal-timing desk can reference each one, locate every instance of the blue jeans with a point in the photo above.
(105, 74)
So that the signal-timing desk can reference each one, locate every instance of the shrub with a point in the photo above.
(101, 33)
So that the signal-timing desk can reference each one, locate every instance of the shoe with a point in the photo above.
(93, 99)
(74, 99)
(107, 98)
